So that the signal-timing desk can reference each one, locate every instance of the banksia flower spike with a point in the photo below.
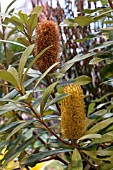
(73, 118)
(47, 34)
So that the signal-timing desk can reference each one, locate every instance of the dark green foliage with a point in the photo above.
(30, 100)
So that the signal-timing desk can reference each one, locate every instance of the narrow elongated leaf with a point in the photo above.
(66, 67)
(76, 163)
(19, 127)
(34, 60)
(45, 73)
(23, 41)
(93, 118)
(31, 24)
(82, 80)
(34, 158)
(79, 57)
(93, 154)
(107, 71)
(106, 166)
(24, 58)
(90, 136)
(45, 96)
(7, 76)
(18, 23)
(14, 72)
(68, 22)
(13, 42)
(18, 150)
(9, 126)
(6, 108)
(102, 98)
(100, 46)
(56, 75)
(99, 126)
(23, 17)
(103, 14)
(95, 60)
(37, 10)
(58, 98)
(14, 92)
(84, 20)
(12, 2)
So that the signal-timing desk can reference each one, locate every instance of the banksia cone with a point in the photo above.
(47, 34)
(73, 118)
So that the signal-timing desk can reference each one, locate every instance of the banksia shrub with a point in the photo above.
(73, 118)
(47, 34)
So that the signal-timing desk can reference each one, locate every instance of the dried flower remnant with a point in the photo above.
(47, 34)
(73, 117)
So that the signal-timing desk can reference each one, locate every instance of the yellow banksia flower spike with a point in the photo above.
(73, 117)
(47, 34)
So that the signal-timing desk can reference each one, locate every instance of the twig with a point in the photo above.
(110, 3)
(56, 157)
(88, 162)
(42, 122)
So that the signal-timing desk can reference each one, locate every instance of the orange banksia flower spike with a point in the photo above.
(47, 34)
(73, 117)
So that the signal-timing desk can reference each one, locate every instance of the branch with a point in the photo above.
(45, 125)
(56, 157)
(110, 3)
(88, 162)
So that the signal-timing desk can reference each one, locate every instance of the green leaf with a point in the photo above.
(24, 58)
(66, 67)
(23, 17)
(107, 71)
(84, 20)
(37, 10)
(45, 73)
(10, 4)
(12, 42)
(101, 15)
(45, 96)
(76, 160)
(95, 60)
(14, 92)
(102, 98)
(56, 75)
(96, 116)
(17, 22)
(106, 166)
(18, 150)
(58, 98)
(9, 126)
(68, 22)
(100, 46)
(82, 80)
(7, 76)
(90, 136)
(18, 128)
(91, 108)
(99, 126)
(23, 41)
(34, 60)
(31, 24)
(6, 108)
(34, 158)
(77, 58)
(14, 72)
